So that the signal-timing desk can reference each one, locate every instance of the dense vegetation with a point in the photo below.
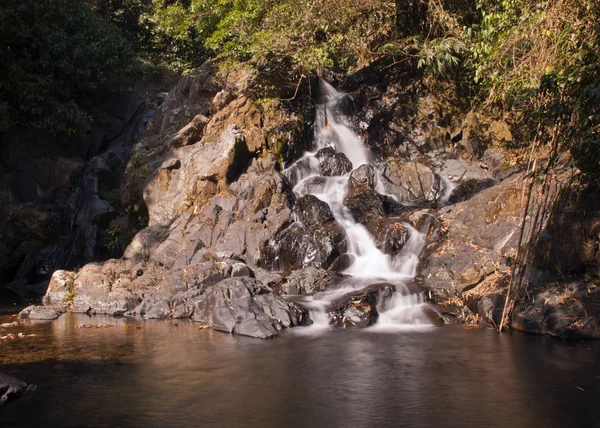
(533, 62)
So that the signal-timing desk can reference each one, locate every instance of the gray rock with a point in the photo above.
(310, 280)
(42, 313)
(235, 305)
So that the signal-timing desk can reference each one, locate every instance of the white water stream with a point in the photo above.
(370, 265)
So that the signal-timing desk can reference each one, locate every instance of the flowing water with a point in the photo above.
(145, 373)
(370, 265)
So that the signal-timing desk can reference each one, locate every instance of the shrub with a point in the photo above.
(53, 52)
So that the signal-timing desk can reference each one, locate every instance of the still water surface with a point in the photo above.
(140, 373)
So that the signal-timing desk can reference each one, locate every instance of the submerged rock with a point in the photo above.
(11, 388)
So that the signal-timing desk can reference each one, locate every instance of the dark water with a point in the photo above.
(168, 375)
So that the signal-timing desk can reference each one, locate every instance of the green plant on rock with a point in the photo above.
(69, 297)
(114, 238)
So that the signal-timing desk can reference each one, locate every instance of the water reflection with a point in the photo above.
(154, 374)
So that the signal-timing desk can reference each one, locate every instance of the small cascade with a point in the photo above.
(370, 265)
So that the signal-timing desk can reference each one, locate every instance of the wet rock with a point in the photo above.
(11, 388)
(332, 163)
(236, 305)
(361, 199)
(431, 316)
(359, 308)
(42, 313)
(318, 240)
(298, 247)
(312, 211)
(367, 208)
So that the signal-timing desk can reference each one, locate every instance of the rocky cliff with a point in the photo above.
(228, 243)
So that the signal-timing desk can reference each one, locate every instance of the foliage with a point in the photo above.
(114, 238)
(540, 60)
(314, 33)
(53, 52)
(165, 32)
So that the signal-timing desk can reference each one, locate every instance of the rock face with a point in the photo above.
(57, 200)
(203, 168)
(204, 173)
(211, 230)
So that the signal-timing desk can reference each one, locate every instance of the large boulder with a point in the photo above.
(568, 312)
(238, 305)
(410, 181)
(42, 313)
(477, 238)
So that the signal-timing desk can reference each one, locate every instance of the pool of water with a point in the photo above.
(108, 372)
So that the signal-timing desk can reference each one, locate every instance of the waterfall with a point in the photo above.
(370, 264)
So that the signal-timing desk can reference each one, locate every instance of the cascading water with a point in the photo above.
(370, 265)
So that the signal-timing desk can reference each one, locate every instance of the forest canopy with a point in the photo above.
(536, 62)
